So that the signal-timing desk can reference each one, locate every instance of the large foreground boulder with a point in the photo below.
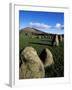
(46, 57)
(32, 66)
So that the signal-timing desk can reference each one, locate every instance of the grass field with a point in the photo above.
(56, 70)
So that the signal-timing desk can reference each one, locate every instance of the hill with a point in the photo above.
(36, 31)
(56, 70)
(31, 30)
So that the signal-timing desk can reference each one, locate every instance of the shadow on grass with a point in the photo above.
(46, 40)
(41, 43)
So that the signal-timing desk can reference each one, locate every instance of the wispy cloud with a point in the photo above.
(39, 25)
(43, 26)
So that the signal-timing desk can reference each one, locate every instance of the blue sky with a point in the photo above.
(50, 22)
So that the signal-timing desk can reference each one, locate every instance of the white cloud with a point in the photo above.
(59, 26)
(43, 27)
(39, 25)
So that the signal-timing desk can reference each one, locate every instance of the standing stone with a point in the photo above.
(32, 66)
(39, 37)
(53, 39)
(46, 57)
(61, 38)
(56, 41)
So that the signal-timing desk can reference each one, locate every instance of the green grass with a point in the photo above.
(56, 70)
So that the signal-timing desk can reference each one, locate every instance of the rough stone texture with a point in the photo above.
(46, 57)
(56, 41)
(39, 37)
(61, 39)
(32, 66)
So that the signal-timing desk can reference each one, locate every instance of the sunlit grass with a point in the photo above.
(56, 70)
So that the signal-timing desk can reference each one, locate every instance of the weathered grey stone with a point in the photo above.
(46, 57)
(56, 41)
(39, 37)
(61, 39)
(32, 66)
